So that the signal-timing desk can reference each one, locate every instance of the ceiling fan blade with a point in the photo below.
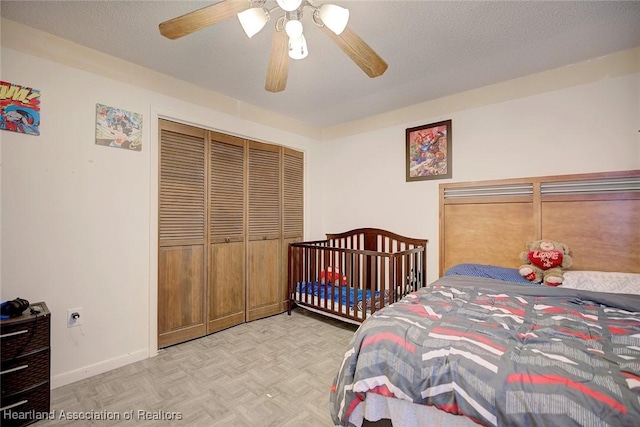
(359, 52)
(278, 69)
(202, 18)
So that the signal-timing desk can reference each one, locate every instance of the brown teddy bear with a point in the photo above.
(545, 261)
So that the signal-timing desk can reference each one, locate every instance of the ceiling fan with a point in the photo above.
(288, 41)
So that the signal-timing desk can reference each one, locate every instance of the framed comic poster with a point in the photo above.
(118, 128)
(19, 108)
(429, 151)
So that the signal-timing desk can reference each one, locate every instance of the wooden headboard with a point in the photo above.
(596, 214)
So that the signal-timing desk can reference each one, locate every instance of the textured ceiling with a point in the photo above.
(433, 48)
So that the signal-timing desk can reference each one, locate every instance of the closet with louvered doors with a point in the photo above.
(228, 209)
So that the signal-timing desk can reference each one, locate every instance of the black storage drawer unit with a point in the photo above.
(25, 368)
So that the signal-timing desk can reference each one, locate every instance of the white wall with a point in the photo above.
(79, 220)
(592, 127)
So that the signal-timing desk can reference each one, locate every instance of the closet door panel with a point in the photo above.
(180, 294)
(264, 191)
(227, 232)
(292, 209)
(292, 193)
(227, 188)
(265, 293)
(264, 288)
(181, 223)
(226, 293)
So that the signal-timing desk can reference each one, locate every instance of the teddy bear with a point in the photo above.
(545, 261)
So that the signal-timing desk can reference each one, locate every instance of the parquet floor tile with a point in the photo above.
(273, 372)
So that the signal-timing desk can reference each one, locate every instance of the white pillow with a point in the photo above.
(602, 281)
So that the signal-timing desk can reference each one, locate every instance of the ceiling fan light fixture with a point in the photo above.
(293, 28)
(253, 20)
(253, 16)
(298, 48)
(289, 5)
(334, 17)
(297, 43)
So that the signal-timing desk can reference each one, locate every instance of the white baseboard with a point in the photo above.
(98, 368)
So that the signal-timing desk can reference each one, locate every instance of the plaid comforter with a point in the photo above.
(501, 354)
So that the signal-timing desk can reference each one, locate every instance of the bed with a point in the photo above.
(480, 348)
(350, 275)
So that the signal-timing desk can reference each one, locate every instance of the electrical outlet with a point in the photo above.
(75, 317)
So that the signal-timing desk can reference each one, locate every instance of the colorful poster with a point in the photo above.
(19, 108)
(118, 128)
(429, 151)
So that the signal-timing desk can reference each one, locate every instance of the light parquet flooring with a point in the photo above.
(270, 372)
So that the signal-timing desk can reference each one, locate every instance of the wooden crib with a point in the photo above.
(351, 275)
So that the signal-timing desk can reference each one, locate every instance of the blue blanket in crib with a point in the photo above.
(337, 293)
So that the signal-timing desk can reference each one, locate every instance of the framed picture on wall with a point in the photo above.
(429, 151)
(19, 108)
(118, 128)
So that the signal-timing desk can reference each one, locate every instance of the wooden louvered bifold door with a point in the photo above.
(228, 208)
(292, 207)
(182, 245)
(264, 288)
(227, 232)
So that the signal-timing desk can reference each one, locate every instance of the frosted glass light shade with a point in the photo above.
(297, 42)
(298, 48)
(289, 5)
(252, 20)
(293, 28)
(334, 17)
